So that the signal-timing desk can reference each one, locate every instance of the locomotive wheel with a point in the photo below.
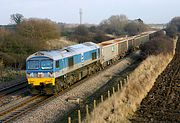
(58, 87)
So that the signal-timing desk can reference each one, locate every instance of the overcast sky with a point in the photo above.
(94, 11)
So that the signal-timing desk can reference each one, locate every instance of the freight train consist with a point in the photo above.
(49, 72)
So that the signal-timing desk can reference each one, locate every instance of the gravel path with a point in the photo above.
(59, 106)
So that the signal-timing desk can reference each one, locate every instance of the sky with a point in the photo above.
(93, 11)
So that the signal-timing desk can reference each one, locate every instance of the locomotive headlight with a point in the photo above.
(31, 75)
(50, 74)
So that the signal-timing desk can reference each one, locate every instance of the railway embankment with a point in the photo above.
(162, 104)
(59, 106)
(121, 106)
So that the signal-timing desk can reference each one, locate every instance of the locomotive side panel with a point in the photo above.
(77, 61)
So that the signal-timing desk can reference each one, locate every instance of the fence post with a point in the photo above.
(69, 119)
(102, 98)
(94, 104)
(121, 84)
(79, 116)
(87, 112)
(118, 87)
(113, 90)
(127, 79)
(94, 108)
(108, 93)
(124, 81)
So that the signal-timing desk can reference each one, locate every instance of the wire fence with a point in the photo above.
(88, 108)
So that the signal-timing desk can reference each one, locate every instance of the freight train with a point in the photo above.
(49, 72)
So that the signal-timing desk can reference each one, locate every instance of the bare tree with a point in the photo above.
(17, 18)
(173, 27)
(114, 24)
(176, 21)
(81, 30)
(135, 27)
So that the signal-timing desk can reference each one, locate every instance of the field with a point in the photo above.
(163, 101)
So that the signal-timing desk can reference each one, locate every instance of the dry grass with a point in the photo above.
(121, 106)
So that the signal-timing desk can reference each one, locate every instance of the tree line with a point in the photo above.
(28, 35)
(116, 25)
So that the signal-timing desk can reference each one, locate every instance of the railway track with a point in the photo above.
(15, 111)
(13, 88)
(13, 93)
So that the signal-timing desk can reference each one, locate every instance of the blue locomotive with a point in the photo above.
(51, 71)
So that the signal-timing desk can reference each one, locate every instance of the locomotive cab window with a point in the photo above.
(94, 55)
(70, 61)
(33, 64)
(46, 64)
(57, 64)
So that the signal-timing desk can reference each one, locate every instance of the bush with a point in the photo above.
(81, 30)
(134, 28)
(99, 37)
(39, 29)
(173, 27)
(29, 36)
(159, 44)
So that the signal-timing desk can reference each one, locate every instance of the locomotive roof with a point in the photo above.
(66, 51)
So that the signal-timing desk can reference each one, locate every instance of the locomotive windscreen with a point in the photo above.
(46, 64)
(33, 64)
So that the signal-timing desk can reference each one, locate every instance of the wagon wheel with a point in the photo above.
(70, 80)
